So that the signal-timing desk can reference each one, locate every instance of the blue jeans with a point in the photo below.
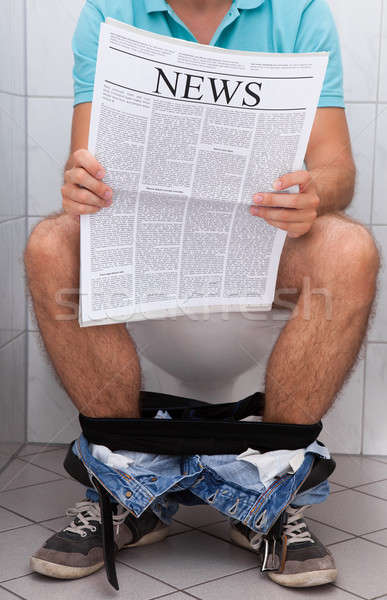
(234, 488)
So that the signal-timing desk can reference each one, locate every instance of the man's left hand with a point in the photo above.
(295, 213)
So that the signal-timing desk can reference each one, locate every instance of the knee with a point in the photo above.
(47, 244)
(349, 254)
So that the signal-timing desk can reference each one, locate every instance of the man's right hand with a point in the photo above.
(83, 191)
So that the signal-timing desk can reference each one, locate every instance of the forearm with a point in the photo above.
(335, 186)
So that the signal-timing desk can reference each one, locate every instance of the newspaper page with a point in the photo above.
(187, 133)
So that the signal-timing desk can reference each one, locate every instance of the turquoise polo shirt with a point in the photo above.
(255, 25)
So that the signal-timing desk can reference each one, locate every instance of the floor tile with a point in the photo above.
(379, 458)
(56, 524)
(220, 530)
(380, 537)
(46, 501)
(189, 559)
(351, 511)
(8, 450)
(133, 585)
(16, 546)
(178, 596)
(38, 448)
(176, 527)
(378, 489)
(53, 461)
(254, 586)
(352, 470)
(198, 516)
(362, 567)
(335, 488)
(5, 595)
(10, 521)
(327, 535)
(19, 474)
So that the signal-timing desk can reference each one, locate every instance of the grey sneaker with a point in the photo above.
(77, 551)
(307, 562)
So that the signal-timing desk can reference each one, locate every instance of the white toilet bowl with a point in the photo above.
(217, 357)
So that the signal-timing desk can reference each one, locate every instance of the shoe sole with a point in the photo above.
(304, 580)
(296, 580)
(57, 571)
(238, 538)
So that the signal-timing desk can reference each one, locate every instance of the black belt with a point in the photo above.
(195, 428)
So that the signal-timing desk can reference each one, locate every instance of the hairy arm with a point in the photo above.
(329, 160)
(79, 130)
(83, 191)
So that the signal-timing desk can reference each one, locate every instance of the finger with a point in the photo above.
(293, 230)
(82, 178)
(74, 208)
(81, 195)
(287, 215)
(287, 200)
(290, 179)
(83, 158)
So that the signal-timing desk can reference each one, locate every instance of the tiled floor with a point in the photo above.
(196, 560)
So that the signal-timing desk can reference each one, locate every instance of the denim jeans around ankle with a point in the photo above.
(234, 488)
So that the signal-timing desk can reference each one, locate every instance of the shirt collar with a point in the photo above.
(160, 5)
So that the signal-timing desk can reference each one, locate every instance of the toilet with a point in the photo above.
(217, 357)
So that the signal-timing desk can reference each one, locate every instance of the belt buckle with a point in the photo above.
(272, 550)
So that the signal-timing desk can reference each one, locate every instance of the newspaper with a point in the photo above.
(187, 133)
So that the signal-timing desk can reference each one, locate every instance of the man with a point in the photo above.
(98, 366)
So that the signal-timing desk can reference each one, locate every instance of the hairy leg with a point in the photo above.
(332, 271)
(98, 366)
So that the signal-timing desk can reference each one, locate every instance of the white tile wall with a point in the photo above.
(12, 377)
(361, 120)
(13, 154)
(12, 46)
(375, 413)
(49, 126)
(343, 424)
(378, 330)
(363, 41)
(379, 214)
(12, 227)
(12, 296)
(358, 24)
(51, 415)
(48, 76)
(383, 61)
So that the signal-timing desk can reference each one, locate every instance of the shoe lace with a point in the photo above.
(87, 511)
(296, 529)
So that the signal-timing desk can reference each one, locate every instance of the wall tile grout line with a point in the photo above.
(16, 337)
(8, 219)
(26, 161)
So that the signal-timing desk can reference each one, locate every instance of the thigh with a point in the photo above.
(312, 255)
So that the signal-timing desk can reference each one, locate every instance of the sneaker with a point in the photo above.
(307, 562)
(77, 551)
